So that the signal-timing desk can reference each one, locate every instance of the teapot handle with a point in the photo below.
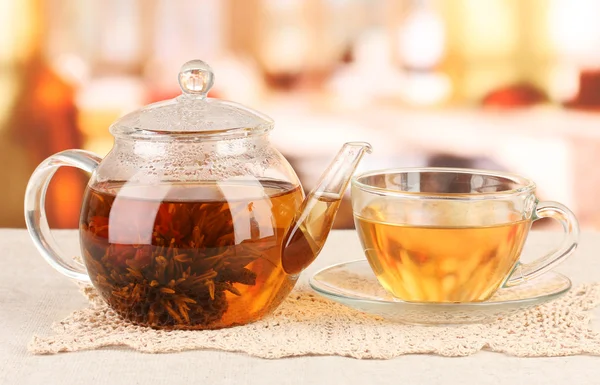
(35, 212)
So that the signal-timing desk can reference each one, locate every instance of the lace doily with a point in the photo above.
(306, 324)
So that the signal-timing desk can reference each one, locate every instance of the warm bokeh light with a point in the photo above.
(503, 84)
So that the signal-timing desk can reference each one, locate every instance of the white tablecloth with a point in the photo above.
(33, 295)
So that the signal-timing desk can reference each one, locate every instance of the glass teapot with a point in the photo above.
(193, 220)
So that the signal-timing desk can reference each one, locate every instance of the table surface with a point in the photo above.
(33, 295)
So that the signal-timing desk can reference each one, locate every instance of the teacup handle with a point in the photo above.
(35, 212)
(526, 271)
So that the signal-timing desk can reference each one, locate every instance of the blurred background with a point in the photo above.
(497, 84)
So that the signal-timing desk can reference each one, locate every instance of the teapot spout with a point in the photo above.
(306, 237)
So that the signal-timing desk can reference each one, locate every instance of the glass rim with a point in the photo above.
(321, 288)
(526, 185)
(137, 133)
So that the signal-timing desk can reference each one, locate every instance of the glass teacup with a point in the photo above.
(452, 235)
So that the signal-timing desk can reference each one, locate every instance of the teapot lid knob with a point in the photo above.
(196, 78)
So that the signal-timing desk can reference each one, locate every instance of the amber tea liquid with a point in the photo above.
(189, 256)
(441, 264)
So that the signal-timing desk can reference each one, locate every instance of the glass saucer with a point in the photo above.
(354, 284)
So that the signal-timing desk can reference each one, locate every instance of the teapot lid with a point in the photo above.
(192, 112)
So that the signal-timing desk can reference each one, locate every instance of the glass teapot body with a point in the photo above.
(189, 233)
(193, 220)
